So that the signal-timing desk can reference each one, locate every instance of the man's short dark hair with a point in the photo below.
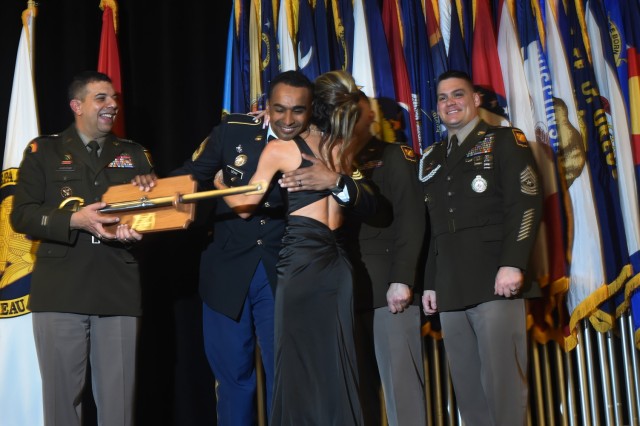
(80, 81)
(291, 78)
(455, 74)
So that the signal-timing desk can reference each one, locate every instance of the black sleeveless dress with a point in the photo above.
(315, 372)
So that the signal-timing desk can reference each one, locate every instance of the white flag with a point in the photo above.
(21, 390)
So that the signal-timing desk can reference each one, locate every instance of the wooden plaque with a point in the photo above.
(154, 219)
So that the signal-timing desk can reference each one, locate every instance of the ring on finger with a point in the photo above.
(299, 182)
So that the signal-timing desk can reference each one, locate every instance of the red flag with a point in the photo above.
(485, 65)
(109, 57)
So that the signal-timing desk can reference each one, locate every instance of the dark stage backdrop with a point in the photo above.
(172, 64)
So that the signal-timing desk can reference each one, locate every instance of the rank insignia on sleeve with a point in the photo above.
(521, 139)
(200, 149)
(356, 175)
(33, 147)
(528, 181)
(408, 152)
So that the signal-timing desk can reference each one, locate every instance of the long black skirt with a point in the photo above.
(315, 371)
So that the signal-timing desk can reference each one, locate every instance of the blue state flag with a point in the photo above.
(342, 30)
(307, 48)
(618, 38)
(604, 65)
(379, 52)
(268, 49)
(458, 58)
(417, 57)
(236, 80)
(321, 25)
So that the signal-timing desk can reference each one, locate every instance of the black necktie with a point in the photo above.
(94, 147)
(270, 138)
(453, 145)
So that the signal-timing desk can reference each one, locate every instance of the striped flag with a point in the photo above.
(21, 390)
(109, 57)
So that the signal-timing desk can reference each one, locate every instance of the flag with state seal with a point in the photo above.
(21, 390)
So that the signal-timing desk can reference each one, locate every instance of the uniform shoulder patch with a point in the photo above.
(408, 152)
(196, 154)
(32, 148)
(521, 139)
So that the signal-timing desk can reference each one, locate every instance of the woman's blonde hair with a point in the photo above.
(335, 112)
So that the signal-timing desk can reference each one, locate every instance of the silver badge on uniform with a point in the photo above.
(66, 191)
(479, 184)
(239, 149)
(240, 160)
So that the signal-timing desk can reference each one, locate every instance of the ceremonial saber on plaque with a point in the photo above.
(170, 204)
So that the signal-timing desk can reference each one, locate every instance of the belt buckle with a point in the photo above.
(95, 240)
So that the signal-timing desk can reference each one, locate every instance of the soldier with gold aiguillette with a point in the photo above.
(483, 196)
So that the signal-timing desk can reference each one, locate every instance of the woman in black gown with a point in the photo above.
(315, 371)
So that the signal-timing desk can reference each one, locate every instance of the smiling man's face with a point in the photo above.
(457, 102)
(289, 110)
(96, 111)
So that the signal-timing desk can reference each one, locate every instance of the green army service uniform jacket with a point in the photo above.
(75, 272)
(484, 204)
(386, 247)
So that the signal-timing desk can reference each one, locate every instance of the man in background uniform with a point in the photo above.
(385, 250)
